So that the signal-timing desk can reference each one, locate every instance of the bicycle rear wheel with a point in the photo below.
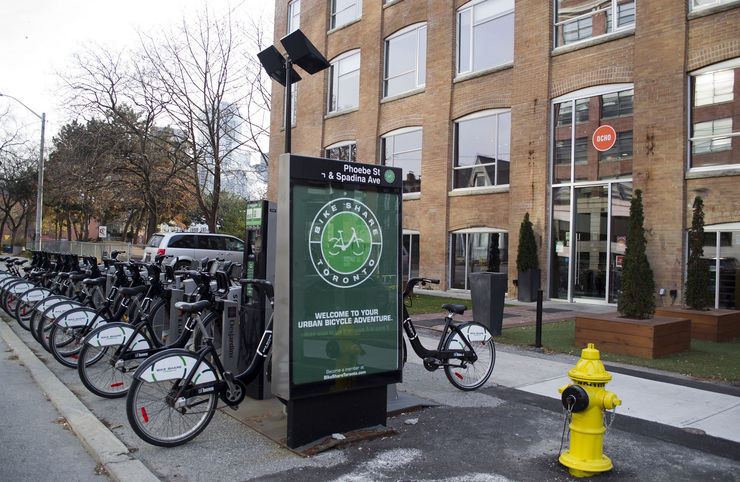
(65, 344)
(471, 375)
(151, 412)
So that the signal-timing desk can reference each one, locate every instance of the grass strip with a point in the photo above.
(706, 359)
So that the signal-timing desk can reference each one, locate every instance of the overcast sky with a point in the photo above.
(39, 37)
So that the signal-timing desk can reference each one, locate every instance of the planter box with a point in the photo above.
(528, 284)
(709, 325)
(654, 338)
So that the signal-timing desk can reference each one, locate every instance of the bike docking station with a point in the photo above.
(337, 337)
(259, 262)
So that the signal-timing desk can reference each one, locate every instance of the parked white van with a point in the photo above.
(190, 248)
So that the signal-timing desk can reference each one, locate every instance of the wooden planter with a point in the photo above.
(709, 325)
(653, 338)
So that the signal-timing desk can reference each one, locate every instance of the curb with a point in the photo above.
(100, 442)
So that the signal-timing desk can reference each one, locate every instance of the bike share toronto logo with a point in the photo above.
(345, 242)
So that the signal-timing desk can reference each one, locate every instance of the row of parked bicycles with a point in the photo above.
(113, 323)
(152, 334)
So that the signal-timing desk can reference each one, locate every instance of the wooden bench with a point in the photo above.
(653, 338)
(709, 325)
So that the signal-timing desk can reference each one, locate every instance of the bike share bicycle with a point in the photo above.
(466, 351)
(174, 393)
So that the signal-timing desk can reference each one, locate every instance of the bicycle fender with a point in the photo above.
(20, 287)
(47, 303)
(473, 332)
(174, 364)
(35, 294)
(117, 334)
(75, 317)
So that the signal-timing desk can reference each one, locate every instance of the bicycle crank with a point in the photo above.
(233, 397)
(431, 363)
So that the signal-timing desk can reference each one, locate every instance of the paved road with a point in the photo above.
(37, 443)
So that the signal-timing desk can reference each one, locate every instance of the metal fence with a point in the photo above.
(129, 251)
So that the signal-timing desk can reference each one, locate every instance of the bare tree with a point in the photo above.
(152, 163)
(215, 93)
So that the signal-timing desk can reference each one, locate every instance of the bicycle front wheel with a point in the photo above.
(152, 413)
(102, 373)
(471, 375)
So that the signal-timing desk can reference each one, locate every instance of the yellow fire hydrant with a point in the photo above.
(587, 399)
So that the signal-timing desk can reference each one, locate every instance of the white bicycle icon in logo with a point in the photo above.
(338, 245)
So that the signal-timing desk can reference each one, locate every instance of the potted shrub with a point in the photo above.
(634, 330)
(698, 275)
(527, 263)
(707, 323)
(638, 287)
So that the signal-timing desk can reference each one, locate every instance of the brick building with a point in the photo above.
(490, 107)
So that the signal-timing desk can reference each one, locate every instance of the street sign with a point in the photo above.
(604, 138)
(102, 231)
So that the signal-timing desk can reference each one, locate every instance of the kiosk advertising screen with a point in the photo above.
(345, 294)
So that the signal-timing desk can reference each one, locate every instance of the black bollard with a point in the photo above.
(538, 326)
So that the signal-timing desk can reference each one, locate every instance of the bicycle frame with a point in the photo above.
(467, 355)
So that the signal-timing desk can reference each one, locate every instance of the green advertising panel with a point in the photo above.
(345, 301)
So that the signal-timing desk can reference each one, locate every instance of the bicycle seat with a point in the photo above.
(457, 309)
(95, 281)
(134, 290)
(192, 307)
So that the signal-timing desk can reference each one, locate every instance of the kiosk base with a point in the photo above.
(310, 419)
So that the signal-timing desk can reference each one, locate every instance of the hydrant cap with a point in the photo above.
(589, 368)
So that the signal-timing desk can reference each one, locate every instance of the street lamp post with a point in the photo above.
(40, 188)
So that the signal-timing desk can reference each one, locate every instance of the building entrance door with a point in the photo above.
(590, 242)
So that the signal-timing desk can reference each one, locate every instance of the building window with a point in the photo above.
(405, 60)
(574, 157)
(722, 252)
(715, 125)
(485, 35)
(475, 250)
(577, 20)
(344, 78)
(565, 114)
(402, 148)
(345, 11)
(617, 104)
(342, 151)
(294, 15)
(701, 4)
(410, 254)
(481, 150)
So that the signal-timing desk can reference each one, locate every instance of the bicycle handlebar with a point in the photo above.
(414, 281)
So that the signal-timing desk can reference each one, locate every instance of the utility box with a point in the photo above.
(338, 294)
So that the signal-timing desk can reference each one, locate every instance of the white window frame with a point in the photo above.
(726, 65)
(613, 10)
(398, 132)
(471, 47)
(334, 78)
(695, 6)
(455, 167)
(294, 15)
(356, 5)
(342, 144)
(420, 83)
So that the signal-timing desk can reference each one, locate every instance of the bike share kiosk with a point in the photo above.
(338, 294)
(259, 262)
